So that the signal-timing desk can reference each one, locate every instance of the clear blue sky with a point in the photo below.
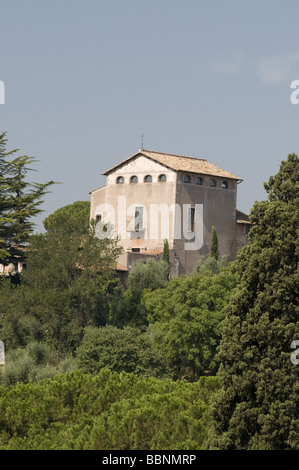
(205, 78)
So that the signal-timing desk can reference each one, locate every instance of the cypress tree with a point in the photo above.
(257, 408)
(166, 255)
(214, 252)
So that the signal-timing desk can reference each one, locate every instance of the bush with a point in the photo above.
(119, 350)
(150, 275)
(33, 363)
(186, 321)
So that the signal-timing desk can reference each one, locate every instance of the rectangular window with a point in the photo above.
(138, 218)
(191, 219)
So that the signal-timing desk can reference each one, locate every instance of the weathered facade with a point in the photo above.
(153, 196)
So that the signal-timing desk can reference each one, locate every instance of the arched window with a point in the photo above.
(148, 179)
(224, 185)
(198, 180)
(134, 179)
(186, 179)
(212, 183)
(162, 178)
(120, 180)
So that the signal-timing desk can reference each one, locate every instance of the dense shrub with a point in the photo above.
(117, 349)
(31, 364)
(186, 321)
(108, 411)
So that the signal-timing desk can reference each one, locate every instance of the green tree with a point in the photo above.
(186, 321)
(67, 286)
(166, 256)
(119, 350)
(257, 408)
(73, 218)
(142, 277)
(20, 201)
(207, 264)
(33, 363)
(150, 275)
(214, 252)
(117, 411)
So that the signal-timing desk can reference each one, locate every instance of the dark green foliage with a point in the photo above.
(119, 350)
(166, 256)
(67, 286)
(109, 411)
(207, 264)
(258, 406)
(20, 201)
(31, 364)
(214, 252)
(142, 277)
(150, 275)
(186, 321)
(73, 218)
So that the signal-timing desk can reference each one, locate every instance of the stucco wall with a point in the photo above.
(123, 199)
(219, 210)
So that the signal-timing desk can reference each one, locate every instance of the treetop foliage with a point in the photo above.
(214, 251)
(258, 407)
(67, 286)
(76, 411)
(73, 218)
(186, 321)
(20, 201)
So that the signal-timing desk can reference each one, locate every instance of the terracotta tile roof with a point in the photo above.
(120, 267)
(180, 163)
(242, 218)
(151, 252)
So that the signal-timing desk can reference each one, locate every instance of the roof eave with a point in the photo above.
(106, 173)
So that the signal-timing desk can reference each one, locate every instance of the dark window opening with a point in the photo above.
(120, 180)
(134, 179)
(212, 183)
(191, 220)
(198, 180)
(162, 178)
(186, 179)
(138, 218)
(148, 179)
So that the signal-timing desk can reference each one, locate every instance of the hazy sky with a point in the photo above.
(204, 78)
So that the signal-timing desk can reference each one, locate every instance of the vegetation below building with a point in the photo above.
(197, 362)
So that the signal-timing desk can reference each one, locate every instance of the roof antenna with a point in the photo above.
(142, 136)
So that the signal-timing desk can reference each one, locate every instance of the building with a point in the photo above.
(152, 196)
